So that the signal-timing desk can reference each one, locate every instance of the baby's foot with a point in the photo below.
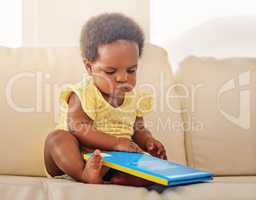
(92, 170)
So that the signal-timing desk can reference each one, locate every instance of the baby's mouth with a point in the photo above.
(123, 88)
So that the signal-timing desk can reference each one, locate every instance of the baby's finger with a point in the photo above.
(163, 155)
(135, 147)
(160, 148)
(150, 146)
(139, 149)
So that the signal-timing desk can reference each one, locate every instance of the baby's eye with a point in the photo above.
(109, 72)
(131, 71)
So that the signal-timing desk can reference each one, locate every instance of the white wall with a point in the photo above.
(58, 22)
(220, 38)
(220, 28)
(11, 23)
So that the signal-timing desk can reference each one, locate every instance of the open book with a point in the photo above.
(145, 166)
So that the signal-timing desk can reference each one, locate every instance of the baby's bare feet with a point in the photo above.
(92, 170)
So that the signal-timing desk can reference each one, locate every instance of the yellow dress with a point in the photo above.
(117, 121)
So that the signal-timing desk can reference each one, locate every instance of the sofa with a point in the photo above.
(204, 114)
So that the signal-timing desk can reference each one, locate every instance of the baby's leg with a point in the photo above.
(62, 155)
(120, 178)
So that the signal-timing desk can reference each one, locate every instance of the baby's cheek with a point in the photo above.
(104, 85)
(132, 79)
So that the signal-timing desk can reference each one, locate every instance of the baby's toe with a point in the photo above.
(95, 160)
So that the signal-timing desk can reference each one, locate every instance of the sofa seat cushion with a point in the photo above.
(221, 188)
(40, 188)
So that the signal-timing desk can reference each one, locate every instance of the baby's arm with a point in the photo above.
(146, 141)
(81, 126)
(141, 134)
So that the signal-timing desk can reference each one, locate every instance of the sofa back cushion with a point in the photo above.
(31, 79)
(30, 82)
(219, 102)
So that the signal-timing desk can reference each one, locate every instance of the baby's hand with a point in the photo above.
(155, 148)
(125, 144)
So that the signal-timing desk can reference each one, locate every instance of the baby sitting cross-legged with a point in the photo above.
(103, 112)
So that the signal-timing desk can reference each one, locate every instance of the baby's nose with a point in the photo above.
(121, 77)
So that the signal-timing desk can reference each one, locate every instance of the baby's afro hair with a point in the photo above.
(107, 28)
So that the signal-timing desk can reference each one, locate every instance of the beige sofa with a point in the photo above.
(205, 115)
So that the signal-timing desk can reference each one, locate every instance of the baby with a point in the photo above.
(103, 112)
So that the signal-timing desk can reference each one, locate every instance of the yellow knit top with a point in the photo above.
(117, 121)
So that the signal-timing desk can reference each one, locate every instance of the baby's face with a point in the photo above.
(114, 71)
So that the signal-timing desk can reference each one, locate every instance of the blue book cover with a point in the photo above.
(160, 171)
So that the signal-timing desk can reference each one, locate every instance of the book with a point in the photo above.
(151, 168)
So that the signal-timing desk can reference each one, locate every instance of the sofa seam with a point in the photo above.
(187, 135)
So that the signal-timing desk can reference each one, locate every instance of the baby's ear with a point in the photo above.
(88, 66)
